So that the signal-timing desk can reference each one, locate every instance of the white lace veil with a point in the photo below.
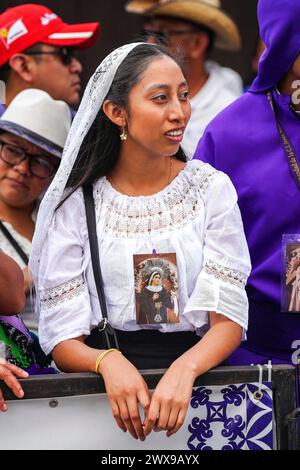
(96, 90)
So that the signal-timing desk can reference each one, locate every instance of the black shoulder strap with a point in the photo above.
(104, 326)
(14, 243)
(91, 224)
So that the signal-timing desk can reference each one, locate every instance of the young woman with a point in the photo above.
(125, 140)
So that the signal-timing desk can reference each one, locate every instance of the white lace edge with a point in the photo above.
(51, 298)
(172, 208)
(228, 275)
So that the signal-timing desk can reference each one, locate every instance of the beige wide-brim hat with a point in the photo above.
(205, 12)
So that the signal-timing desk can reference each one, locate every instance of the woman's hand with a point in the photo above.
(171, 399)
(172, 395)
(125, 388)
(8, 373)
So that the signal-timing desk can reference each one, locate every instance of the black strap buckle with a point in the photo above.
(109, 333)
(103, 324)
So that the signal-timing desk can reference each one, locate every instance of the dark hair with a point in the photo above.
(5, 73)
(100, 149)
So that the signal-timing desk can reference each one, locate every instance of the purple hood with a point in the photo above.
(279, 24)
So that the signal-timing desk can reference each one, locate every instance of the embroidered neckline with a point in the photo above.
(178, 204)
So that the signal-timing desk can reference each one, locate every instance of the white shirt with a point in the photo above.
(221, 89)
(196, 217)
(7, 247)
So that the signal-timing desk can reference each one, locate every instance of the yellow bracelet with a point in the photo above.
(102, 355)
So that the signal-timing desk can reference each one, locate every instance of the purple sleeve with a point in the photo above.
(206, 149)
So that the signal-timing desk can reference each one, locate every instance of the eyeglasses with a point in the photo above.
(38, 166)
(66, 54)
(163, 36)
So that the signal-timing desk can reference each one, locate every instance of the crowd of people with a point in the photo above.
(136, 217)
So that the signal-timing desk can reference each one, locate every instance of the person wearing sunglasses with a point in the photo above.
(33, 131)
(38, 50)
(187, 29)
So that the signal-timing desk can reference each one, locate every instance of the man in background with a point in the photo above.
(38, 50)
(194, 28)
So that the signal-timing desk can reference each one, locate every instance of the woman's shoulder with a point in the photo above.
(71, 209)
(204, 176)
(71, 196)
(74, 199)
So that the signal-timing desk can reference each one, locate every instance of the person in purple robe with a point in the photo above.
(246, 141)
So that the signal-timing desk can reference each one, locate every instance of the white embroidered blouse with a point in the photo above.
(196, 217)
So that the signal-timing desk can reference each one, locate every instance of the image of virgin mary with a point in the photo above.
(154, 300)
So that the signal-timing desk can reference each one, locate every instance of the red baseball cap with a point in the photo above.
(23, 26)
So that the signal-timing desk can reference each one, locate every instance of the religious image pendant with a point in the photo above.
(156, 288)
(290, 278)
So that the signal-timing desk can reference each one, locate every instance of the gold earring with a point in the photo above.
(123, 136)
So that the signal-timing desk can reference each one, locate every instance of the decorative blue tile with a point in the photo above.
(231, 418)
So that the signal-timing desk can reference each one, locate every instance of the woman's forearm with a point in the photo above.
(219, 342)
(12, 297)
(74, 356)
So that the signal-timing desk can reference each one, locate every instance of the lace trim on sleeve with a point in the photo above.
(51, 298)
(228, 275)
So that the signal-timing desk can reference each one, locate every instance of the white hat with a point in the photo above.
(205, 12)
(38, 118)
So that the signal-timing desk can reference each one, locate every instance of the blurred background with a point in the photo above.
(118, 27)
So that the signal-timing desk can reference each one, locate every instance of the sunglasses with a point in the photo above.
(66, 54)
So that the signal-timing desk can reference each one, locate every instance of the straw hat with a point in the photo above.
(205, 12)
